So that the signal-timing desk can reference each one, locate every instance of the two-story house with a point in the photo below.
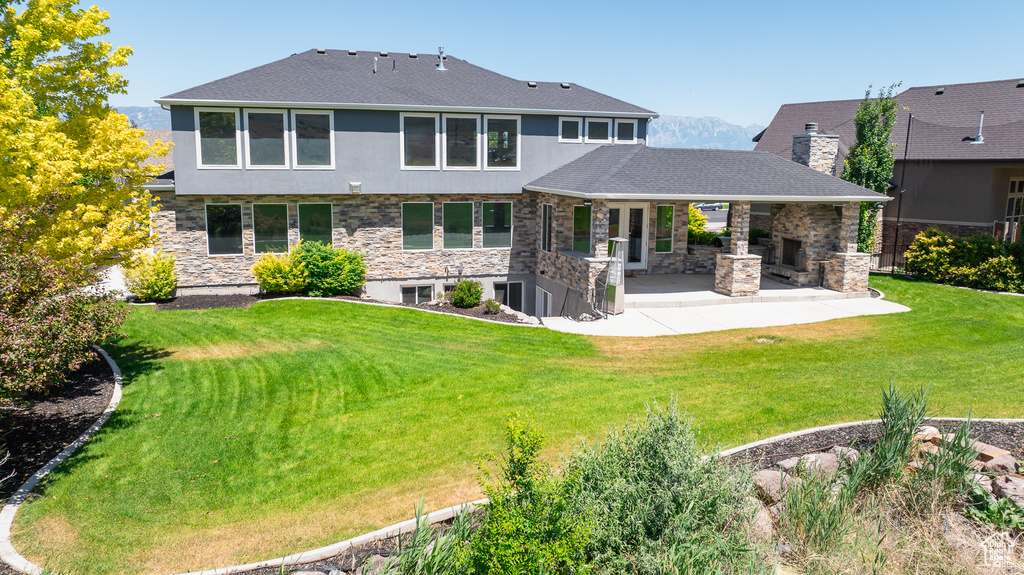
(436, 169)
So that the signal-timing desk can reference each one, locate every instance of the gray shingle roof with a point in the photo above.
(339, 78)
(640, 172)
(941, 122)
(166, 177)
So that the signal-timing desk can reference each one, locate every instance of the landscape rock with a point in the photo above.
(929, 448)
(1004, 464)
(848, 453)
(816, 462)
(770, 485)
(988, 452)
(306, 572)
(761, 527)
(783, 549)
(1011, 488)
(984, 481)
(926, 433)
(373, 565)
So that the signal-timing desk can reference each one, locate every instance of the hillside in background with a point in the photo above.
(663, 132)
(706, 132)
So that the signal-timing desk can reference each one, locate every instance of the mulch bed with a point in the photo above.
(41, 426)
(198, 302)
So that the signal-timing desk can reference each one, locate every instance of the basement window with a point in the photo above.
(417, 294)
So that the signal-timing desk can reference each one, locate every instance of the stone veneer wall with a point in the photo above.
(738, 275)
(575, 270)
(817, 151)
(370, 224)
(675, 261)
(847, 272)
(815, 225)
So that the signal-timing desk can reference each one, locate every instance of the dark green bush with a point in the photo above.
(756, 233)
(331, 271)
(981, 262)
(467, 294)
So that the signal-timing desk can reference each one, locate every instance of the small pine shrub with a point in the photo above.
(695, 220)
(281, 273)
(493, 306)
(467, 294)
(331, 271)
(151, 277)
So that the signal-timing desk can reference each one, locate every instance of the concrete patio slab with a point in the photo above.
(649, 322)
(685, 290)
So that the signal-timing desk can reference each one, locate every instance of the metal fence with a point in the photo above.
(888, 258)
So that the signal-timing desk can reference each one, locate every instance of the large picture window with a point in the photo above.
(224, 229)
(315, 223)
(663, 229)
(547, 227)
(217, 131)
(419, 142)
(264, 136)
(502, 142)
(458, 225)
(497, 224)
(417, 226)
(461, 134)
(313, 139)
(581, 229)
(270, 228)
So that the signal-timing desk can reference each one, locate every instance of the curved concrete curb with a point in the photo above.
(7, 551)
(380, 304)
(336, 548)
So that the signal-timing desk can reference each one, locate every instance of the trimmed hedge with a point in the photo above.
(313, 268)
(981, 262)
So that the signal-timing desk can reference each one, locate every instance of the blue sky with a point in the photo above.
(736, 60)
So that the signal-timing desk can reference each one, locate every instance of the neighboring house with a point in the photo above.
(436, 169)
(953, 179)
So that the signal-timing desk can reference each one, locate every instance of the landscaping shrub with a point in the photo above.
(331, 271)
(151, 277)
(756, 233)
(429, 552)
(978, 261)
(531, 525)
(493, 306)
(695, 221)
(281, 273)
(467, 293)
(658, 505)
(817, 518)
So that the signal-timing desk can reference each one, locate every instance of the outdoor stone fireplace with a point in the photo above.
(802, 235)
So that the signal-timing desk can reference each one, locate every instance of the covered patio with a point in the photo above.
(686, 290)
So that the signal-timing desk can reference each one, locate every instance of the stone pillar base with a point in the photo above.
(738, 276)
(847, 272)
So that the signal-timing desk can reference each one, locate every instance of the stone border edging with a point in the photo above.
(7, 552)
(381, 304)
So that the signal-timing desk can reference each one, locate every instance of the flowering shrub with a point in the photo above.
(151, 276)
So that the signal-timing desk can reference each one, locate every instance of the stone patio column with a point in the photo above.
(737, 273)
(599, 231)
(847, 270)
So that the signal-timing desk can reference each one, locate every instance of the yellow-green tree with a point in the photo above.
(71, 180)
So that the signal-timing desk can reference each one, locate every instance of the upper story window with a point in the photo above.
(625, 131)
(599, 131)
(217, 136)
(419, 142)
(570, 130)
(264, 139)
(313, 139)
(461, 142)
(502, 142)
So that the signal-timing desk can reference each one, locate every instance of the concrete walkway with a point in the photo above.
(647, 322)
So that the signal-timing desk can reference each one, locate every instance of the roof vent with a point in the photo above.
(811, 128)
(532, 84)
(981, 121)
(352, 52)
(321, 51)
(565, 85)
(384, 54)
(1020, 83)
(440, 58)
(940, 91)
(414, 55)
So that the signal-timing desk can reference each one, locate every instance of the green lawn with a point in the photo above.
(252, 433)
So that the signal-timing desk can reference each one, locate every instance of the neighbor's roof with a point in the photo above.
(165, 179)
(943, 122)
(344, 78)
(681, 174)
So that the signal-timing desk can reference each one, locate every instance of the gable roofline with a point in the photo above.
(399, 108)
(691, 198)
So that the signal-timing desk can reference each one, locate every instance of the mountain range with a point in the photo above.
(663, 132)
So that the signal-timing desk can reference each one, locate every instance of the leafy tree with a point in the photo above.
(871, 159)
(69, 160)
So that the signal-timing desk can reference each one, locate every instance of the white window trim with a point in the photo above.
(519, 143)
(671, 231)
(512, 226)
(437, 141)
(543, 231)
(611, 127)
(619, 123)
(284, 137)
(199, 141)
(444, 143)
(288, 238)
(295, 145)
(579, 131)
(298, 218)
(591, 251)
(206, 225)
(539, 303)
(472, 226)
(433, 218)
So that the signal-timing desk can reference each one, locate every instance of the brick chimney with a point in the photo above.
(818, 151)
